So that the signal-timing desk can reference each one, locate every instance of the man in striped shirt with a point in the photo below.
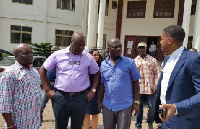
(20, 92)
(149, 70)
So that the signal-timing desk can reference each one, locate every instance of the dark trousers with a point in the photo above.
(121, 118)
(65, 106)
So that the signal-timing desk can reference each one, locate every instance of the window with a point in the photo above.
(21, 34)
(164, 8)
(190, 39)
(23, 1)
(66, 4)
(136, 9)
(63, 37)
(193, 8)
(104, 41)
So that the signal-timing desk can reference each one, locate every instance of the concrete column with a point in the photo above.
(45, 21)
(84, 17)
(101, 23)
(186, 20)
(91, 41)
(196, 36)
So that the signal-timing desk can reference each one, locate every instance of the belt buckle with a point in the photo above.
(71, 94)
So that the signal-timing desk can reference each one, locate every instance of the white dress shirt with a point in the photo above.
(167, 70)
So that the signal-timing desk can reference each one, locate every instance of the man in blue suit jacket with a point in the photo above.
(178, 88)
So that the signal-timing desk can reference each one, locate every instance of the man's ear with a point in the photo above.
(170, 40)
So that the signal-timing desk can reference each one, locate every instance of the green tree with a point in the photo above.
(41, 49)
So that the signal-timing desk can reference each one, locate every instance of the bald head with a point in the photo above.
(23, 55)
(114, 47)
(77, 36)
(112, 41)
(77, 43)
(18, 48)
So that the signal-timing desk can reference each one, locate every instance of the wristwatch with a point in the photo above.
(93, 90)
(137, 102)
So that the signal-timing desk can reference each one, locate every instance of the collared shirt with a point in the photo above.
(167, 70)
(20, 94)
(149, 70)
(117, 81)
(72, 71)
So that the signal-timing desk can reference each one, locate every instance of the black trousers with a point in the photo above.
(65, 106)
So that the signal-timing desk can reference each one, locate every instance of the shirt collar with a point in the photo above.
(177, 52)
(147, 56)
(22, 67)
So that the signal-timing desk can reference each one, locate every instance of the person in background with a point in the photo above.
(51, 75)
(118, 73)
(92, 108)
(20, 92)
(193, 50)
(149, 71)
(73, 67)
(152, 49)
(178, 89)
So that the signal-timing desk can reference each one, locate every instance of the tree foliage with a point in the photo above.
(41, 49)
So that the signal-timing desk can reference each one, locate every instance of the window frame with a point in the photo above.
(62, 35)
(136, 10)
(70, 8)
(21, 32)
(163, 8)
(23, 2)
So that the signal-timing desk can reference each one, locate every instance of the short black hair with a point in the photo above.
(175, 32)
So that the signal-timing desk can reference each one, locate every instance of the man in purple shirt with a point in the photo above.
(72, 78)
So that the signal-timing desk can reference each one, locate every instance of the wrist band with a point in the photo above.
(10, 126)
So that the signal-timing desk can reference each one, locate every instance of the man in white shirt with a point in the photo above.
(178, 89)
(152, 49)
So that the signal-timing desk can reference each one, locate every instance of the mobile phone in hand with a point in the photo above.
(163, 112)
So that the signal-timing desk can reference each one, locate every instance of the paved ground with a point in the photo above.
(49, 119)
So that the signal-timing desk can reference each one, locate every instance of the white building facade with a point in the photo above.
(54, 21)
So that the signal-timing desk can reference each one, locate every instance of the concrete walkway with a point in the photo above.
(49, 120)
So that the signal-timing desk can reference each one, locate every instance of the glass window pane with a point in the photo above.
(66, 4)
(13, 27)
(66, 41)
(15, 37)
(59, 32)
(58, 40)
(17, 1)
(28, 29)
(26, 38)
(27, 1)
(58, 3)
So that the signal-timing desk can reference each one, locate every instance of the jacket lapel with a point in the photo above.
(177, 67)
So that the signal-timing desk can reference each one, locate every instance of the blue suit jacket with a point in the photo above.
(183, 91)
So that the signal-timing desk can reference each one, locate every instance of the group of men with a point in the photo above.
(125, 84)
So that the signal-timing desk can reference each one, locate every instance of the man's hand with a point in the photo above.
(136, 108)
(50, 93)
(90, 95)
(171, 109)
(100, 106)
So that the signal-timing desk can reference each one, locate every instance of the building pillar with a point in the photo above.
(186, 20)
(101, 23)
(91, 41)
(84, 16)
(196, 35)
(45, 3)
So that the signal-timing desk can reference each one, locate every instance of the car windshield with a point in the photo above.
(8, 61)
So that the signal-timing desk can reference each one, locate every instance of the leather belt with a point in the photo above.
(71, 94)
